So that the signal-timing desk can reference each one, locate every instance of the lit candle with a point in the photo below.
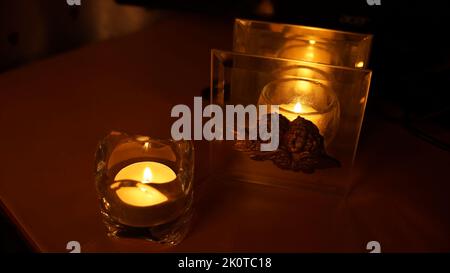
(317, 104)
(145, 193)
(295, 109)
(145, 172)
(144, 186)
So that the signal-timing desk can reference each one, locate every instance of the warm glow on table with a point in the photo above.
(147, 172)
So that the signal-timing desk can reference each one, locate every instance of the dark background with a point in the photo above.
(410, 56)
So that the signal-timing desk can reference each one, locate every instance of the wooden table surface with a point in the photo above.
(54, 112)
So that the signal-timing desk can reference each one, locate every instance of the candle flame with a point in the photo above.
(359, 64)
(298, 107)
(147, 175)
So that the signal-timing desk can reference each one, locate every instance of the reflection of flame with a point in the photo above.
(298, 107)
(312, 42)
(146, 144)
(147, 175)
(143, 188)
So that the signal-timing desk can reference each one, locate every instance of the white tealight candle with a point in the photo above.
(146, 172)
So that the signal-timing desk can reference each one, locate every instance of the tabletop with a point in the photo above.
(54, 112)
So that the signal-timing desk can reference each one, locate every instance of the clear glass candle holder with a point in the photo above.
(145, 187)
(306, 98)
(322, 109)
(303, 43)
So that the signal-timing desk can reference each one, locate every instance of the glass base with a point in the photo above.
(171, 233)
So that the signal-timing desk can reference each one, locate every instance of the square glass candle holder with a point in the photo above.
(145, 187)
(320, 120)
(302, 43)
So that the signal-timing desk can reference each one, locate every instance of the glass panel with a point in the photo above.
(302, 43)
(321, 107)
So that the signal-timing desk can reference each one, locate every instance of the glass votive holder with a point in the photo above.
(306, 98)
(145, 187)
(303, 43)
(317, 149)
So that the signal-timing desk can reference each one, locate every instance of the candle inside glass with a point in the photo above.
(301, 97)
(146, 172)
(144, 187)
(295, 109)
(144, 193)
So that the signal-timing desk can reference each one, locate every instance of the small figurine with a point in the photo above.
(301, 147)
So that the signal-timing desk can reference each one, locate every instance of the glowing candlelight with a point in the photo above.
(298, 108)
(142, 194)
(147, 175)
(295, 109)
(147, 172)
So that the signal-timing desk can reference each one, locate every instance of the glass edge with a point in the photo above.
(356, 34)
(217, 52)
